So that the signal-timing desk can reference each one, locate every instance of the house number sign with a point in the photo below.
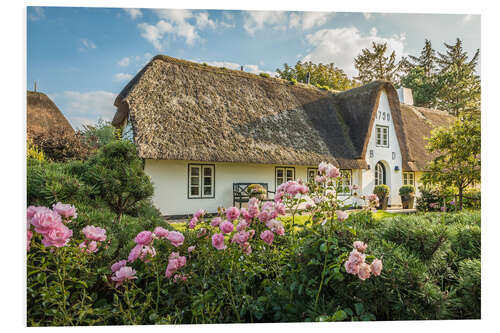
(383, 116)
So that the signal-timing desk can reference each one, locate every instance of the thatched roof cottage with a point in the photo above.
(44, 117)
(201, 129)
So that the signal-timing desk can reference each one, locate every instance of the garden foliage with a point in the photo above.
(248, 265)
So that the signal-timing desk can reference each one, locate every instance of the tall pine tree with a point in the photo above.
(426, 60)
(375, 65)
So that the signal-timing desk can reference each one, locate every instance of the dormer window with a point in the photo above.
(382, 136)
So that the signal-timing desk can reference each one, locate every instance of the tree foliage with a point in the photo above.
(376, 65)
(458, 161)
(118, 175)
(326, 75)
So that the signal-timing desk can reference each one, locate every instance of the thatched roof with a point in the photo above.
(418, 124)
(181, 110)
(44, 117)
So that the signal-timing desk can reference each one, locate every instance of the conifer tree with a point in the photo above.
(426, 60)
(375, 65)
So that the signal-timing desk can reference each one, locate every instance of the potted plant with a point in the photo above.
(382, 192)
(257, 191)
(407, 193)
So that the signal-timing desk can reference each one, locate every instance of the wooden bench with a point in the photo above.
(242, 194)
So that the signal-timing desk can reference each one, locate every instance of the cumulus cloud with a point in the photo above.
(256, 20)
(342, 45)
(36, 13)
(124, 62)
(180, 23)
(308, 20)
(251, 68)
(86, 44)
(86, 107)
(133, 12)
(122, 77)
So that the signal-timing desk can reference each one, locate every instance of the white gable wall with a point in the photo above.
(393, 178)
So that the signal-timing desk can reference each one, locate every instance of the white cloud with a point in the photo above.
(181, 23)
(124, 62)
(122, 76)
(255, 69)
(37, 13)
(203, 21)
(86, 44)
(133, 12)
(256, 20)
(308, 20)
(87, 107)
(342, 45)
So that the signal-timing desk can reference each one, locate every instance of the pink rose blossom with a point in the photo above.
(232, 213)
(356, 257)
(246, 215)
(191, 248)
(65, 210)
(175, 238)
(58, 236)
(267, 236)
(45, 220)
(351, 267)
(226, 227)
(364, 271)
(323, 167)
(117, 265)
(147, 252)
(160, 232)
(246, 248)
(218, 241)
(280, 209)
(241, 226)
(216, 221)
(32, 210)
(94, 233)
(253, 207)
(180, 277)
(320, 179)
(376, 267)
(135, 253)
(360, 246)
(333, 172)
(175, 261)
(276, 227)
(341, 215)
(241, 237)
(144, 238)
(199, 213)
(30, 235)
(125, 273)
(193, 222)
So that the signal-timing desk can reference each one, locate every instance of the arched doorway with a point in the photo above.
(380, 174)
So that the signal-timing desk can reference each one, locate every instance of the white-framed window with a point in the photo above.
(345, 181)
(201, 181)
(382, 136)
(409, 178)
(379, 174)
(284, 174)
(311, 174)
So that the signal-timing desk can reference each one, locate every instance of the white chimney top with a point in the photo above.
(405, 96)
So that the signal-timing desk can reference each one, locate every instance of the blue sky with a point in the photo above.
(82, 57)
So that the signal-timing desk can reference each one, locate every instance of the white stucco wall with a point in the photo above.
(171, 190)
(394, 179)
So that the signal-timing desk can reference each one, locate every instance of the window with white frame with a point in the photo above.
(409, 178)
(311, 174)
(284, 174)
(382, 136)
(345, 181)
(201, 181)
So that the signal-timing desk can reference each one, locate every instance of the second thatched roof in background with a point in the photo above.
(181, 110)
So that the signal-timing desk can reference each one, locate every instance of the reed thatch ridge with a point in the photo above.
(180, 110)
(44, 117)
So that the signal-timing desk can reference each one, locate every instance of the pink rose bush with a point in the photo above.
(356, 264)
(123, 274)
(93, 235)
(50, 224)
